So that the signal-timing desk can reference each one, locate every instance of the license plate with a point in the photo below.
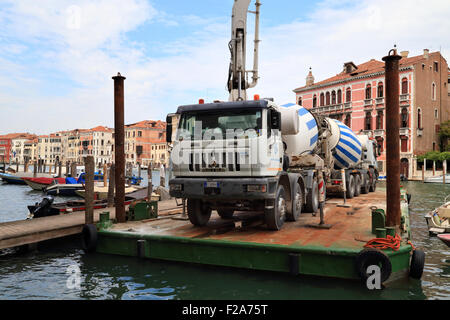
(211, 184)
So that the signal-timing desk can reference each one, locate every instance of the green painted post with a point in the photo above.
(381, 232)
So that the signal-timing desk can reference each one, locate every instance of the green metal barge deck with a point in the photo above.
(244, 242)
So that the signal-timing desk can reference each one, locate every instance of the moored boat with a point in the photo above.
(438, 220)
(11, 178)
(438, 179)
(101, 193)
(40, 184)
(445, 238)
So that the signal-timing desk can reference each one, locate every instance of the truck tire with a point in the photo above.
(357, 186)
(297, 203)
(225, 213)
(350, 187)
(365, 184)
(312, 199)
(276, 216)
(373, 181)
(198, 214)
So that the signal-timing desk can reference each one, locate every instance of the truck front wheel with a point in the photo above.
(312, 199)
(276, 215)
(198, 213)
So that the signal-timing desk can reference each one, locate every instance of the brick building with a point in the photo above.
(5, 148)
(356, 96)
(145, 141)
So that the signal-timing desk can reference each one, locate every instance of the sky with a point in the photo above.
(57, 57)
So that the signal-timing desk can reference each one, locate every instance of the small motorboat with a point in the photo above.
(101, 193)
(438, 179)
(11, 178)
(40, 184)
(438, 220)
(445, 238)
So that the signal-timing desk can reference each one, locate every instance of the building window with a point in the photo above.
(419, 118)
(380, 93)
(368, 121)
(433, 91)
(300, 101)
(436, 67)
(333, 97)
(348, 120)
(322, 99)
(380, 120)
(339, 96)
(404, 86)
(434, 146)
(368, 92)
(404, 118)
(328, 99)
(436, 114)
(315, 101)
(348, 95)
(380, 143)
(404, 144)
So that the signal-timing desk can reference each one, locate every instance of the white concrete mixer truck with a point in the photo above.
(255, 155)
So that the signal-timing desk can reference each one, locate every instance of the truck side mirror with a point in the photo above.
(275, 120)
(169, 129)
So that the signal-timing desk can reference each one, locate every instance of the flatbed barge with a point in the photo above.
(298, 248)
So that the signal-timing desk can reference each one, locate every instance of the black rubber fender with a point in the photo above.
(89, 238)
(370, 256)
(417, 264)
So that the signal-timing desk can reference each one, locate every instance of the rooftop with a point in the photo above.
(370, 67)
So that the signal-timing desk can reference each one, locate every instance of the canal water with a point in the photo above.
(62, 271)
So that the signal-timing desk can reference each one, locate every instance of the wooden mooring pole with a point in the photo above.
(393, 212)
(73, 170)
(150, 184)
(111, 185)
(89, 186)
(119, 134)
(35, 168)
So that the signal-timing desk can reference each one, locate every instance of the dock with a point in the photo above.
(27, 232)
(245, 242)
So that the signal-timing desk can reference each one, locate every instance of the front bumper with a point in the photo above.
(229, 188)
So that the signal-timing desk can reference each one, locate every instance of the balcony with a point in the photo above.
(368, 102)
(379, 100)
(368, 133)
(419, 132)
(378, 133)
(347, 105)
(332, 108)
(404, 97)
(404, 131)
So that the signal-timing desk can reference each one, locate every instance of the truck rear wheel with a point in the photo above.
(276, 215)
(297, 203)
(312, 199)
(357, 186)
(365, 184)
(198, 213)
(350, 187)
(225, 213)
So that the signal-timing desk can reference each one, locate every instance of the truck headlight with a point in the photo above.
(256, 188)
(176, 187)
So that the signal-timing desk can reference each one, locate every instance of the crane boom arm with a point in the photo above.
(237, 79)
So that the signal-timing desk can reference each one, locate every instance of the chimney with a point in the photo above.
(404, 54)
(309, 78)
(426, 53)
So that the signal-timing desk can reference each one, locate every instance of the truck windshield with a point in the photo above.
(219, 124)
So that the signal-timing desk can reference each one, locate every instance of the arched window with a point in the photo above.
(404, 118)
(368, 121)
(348, 120)
(380, 120)
(380, 143)
(348, 95)
(315, 101)
(322, 99)
(339, 96)
(328, 99)
(419, 118)
(380, 93)
(433, 91)
(404, 86)
(300, 101)
(333, 97)
(368, 92)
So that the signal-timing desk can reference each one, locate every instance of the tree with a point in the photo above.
(444, 136)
